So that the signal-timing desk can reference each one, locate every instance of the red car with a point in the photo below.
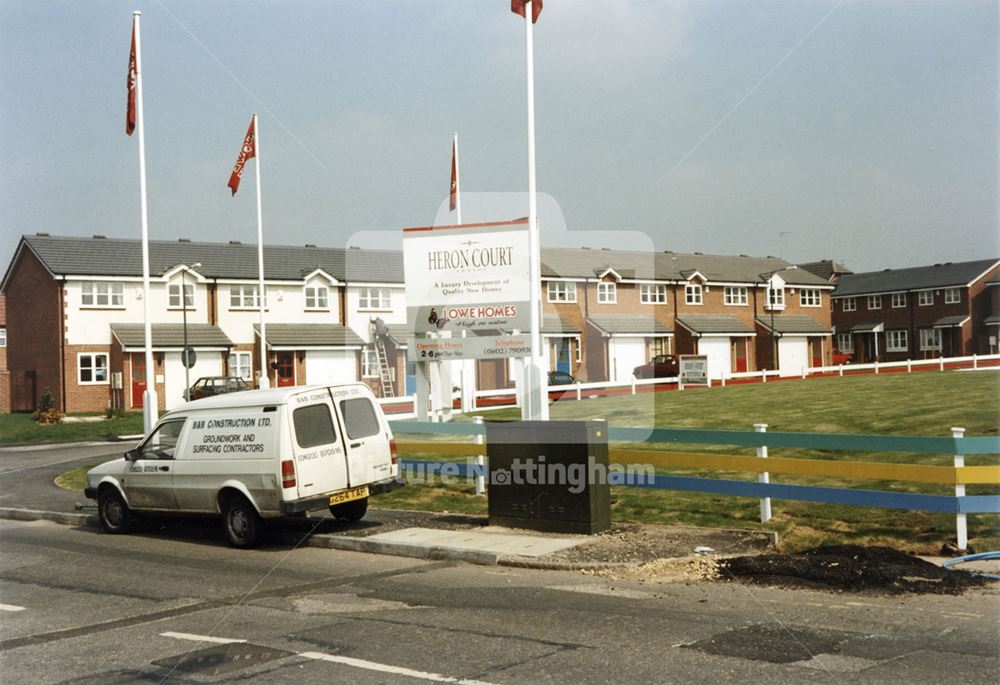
(660, 366)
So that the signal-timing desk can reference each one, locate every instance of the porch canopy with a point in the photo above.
(951, 321)
(169, 337)
(868, 327)
(793, 324)
(623, 325)
(716, 325)
(285, 337)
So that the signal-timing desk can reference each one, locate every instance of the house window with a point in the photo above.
(245, 297)
(374, 298)
(562, 291)
(810, 297)
(3, 337)
(735, 295)
(849, 304)
(175, 295)
(369, 363)
(930, 339)
(101, 294)
(607, 293)
(692, 294)
(92, 369)
(845, 343)
(240, 365)
(651, 293)
(317, 298)
(658, 346)
(874, 302)
(952, 296)
(896, 341)
(925, 298)
(775, 297)
(898, 300)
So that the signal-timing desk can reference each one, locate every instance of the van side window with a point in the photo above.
(314, 426)
(163, 441)
(359, 418)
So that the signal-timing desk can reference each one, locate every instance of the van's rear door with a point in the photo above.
(369, 458)
(320, 460)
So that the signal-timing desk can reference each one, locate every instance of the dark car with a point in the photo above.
(660, 366)
(561, 378)
(217, 385)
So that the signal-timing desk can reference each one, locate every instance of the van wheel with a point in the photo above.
(350, 512)
(116, 517)
(242, 523)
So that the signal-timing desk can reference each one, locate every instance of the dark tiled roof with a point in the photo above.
(171, 335)
(792, 323)
(826, 268)
(553, 325)
(951, 321)
(714, 323)
(913, 278)
(618, 324)
(310, 335)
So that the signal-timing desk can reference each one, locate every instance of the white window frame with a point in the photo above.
(849, 304)
(874, 302)
(92, 292)
(238, 361)
(320, 296)
(3, 336)
(692, 294)
(925, 298)
(811, 297)
(561, 291)
(952, 295)
(652, 293)
(898, 300)
(845, 343)
(244, 293)
(934, 334)
(174, 295)
(735, 295)
(374, 299)
(607, 293)
(369, 363)
(897, 340)
(93, 366)
(775, 298)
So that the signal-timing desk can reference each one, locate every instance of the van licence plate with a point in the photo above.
(349, 495)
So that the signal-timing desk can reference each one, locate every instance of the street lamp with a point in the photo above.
(766, 279)
(185, 355)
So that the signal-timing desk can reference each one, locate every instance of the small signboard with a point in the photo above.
(693, 370)
(475, 347)
(189, 357)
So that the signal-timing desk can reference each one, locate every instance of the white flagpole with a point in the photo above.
(458, 186)
(536, 404)
(150, 401)
(265, 381)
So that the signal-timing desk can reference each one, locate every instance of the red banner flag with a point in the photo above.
(517, 7)
(248, 151)
(454, 178)
(130, 86)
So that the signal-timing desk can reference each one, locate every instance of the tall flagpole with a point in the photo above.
(535, 405)
(265, 381)
(458, 186)
(150, 401)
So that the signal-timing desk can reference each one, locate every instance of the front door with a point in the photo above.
(562, 354)
(816, 351)
(138, 379)
(740, 355)
(285, 369)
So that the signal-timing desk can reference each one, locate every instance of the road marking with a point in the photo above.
(10, 607)
(386, 668)
(201, 638)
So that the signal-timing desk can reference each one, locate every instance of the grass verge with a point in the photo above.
(21, 429)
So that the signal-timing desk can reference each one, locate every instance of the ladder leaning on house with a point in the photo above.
(384, 370)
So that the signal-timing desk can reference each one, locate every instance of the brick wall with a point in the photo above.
(82, 397)
(4, 374)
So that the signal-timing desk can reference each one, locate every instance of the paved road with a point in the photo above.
(80, 606)
(27, 473)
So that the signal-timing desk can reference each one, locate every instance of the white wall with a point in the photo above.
(719, 353)
(793, 355)
(331, 366)
(358, 320)
(208, 364)
(286, 304)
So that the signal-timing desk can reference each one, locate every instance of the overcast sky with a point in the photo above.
(864, 131)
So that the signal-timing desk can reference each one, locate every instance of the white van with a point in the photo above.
(254, 455)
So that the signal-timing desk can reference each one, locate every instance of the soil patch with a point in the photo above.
(851, 568)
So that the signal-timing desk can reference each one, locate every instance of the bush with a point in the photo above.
(115, 413)
(47, 412)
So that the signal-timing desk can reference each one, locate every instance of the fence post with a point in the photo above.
(763, 477)
(940, 363)
(975, 361)
(723, 381)
(840, 370)
(763, 376)
(909, 366)
(480, 461)
(579, 394)
(961, 525)
(633, 383)
(803, 373)
(876, 367)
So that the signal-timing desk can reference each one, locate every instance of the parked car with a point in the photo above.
(839, 358)
(660, 366)
(561, 378)
(210, 386)
(253, 456)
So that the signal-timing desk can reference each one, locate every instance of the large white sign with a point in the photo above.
(471, 277)
(693, 370)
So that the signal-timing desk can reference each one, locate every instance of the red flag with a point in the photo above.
(454, 178)
(130, 86)
(248, 151)
(517, 7)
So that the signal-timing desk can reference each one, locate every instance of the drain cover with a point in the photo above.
(774, 643)
(220, 659)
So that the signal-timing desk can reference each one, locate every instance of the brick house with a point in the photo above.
(917, 312)
(992, 321)
(4, 373)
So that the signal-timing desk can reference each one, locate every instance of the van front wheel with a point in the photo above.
(350, 512)
(115, 515)
(242, 523)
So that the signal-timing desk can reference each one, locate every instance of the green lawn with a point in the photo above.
(18, 429)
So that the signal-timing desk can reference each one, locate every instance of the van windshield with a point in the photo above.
(360, 420)
(313, 426)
